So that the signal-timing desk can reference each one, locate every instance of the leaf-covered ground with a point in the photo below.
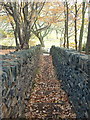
(7, 51)
(48, 100)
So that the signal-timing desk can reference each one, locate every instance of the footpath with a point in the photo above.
(48, 100)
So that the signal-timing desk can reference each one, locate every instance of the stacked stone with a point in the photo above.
(18, 71)
(73, 69)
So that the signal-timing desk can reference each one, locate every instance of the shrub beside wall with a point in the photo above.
(18, 72)
(73, 69)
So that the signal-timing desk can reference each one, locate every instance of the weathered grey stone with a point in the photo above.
(73, 69)
(18, 72)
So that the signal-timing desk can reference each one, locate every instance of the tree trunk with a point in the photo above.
(42, 42)
(64, 44)
(26, 29)
(88, 36)
(23, 35)
(75, 25)
(67, 25)
(88, 39)
(82, 28)
(16, 40)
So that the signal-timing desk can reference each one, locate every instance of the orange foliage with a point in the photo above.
(51, 13)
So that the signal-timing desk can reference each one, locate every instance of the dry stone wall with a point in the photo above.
(17, 74)
(73, 70)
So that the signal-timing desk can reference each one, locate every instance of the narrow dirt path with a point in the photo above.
(48, 100)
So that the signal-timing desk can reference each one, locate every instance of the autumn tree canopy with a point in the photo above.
(67, 18)
(24, 16)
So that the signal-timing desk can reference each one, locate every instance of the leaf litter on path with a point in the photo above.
(48, 100)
